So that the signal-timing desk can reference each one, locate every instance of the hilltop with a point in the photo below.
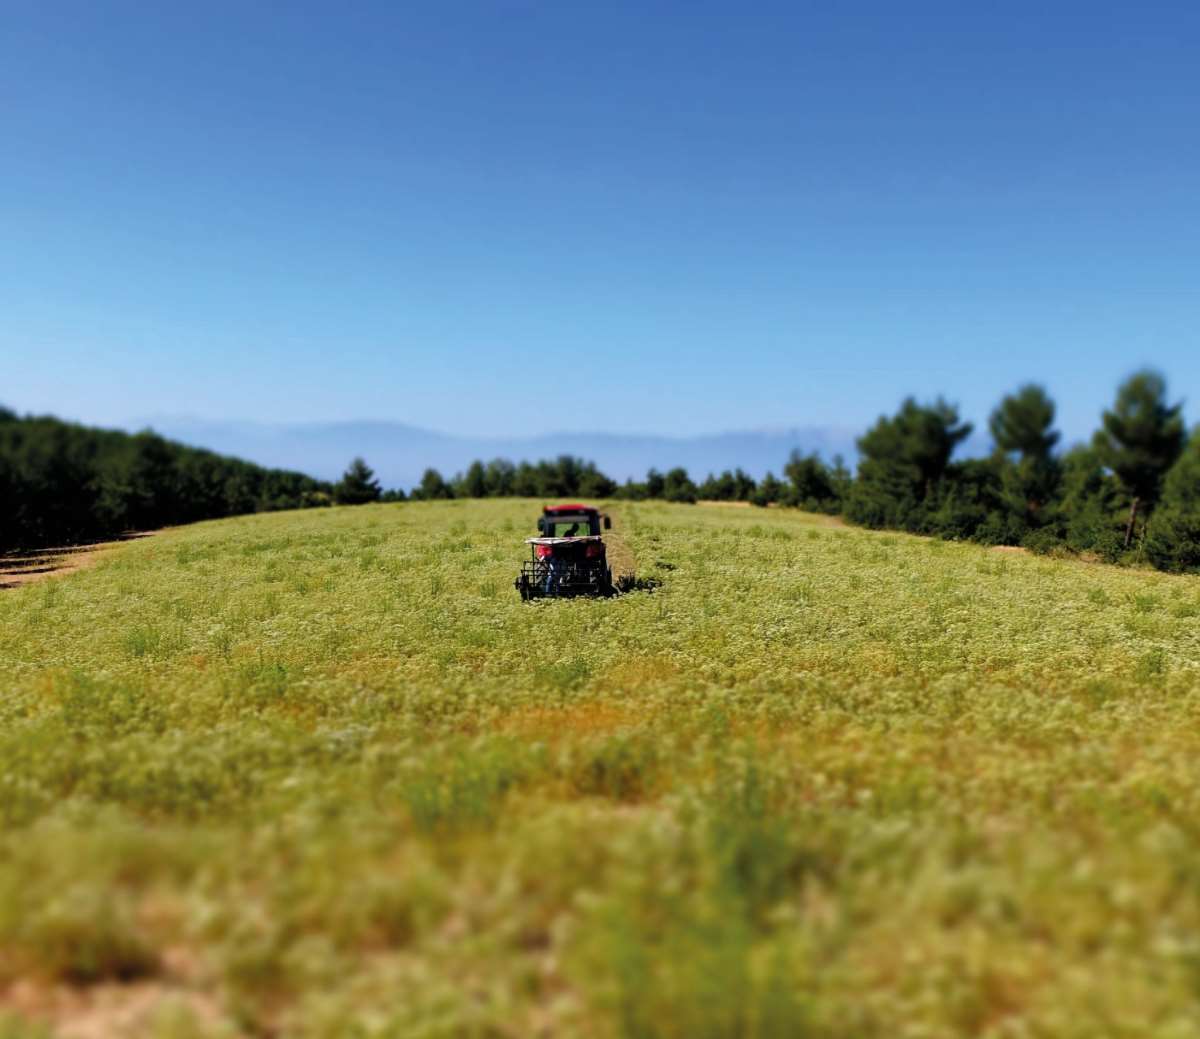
(322, 773)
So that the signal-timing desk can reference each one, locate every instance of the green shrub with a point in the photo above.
(1045, 542)
(1173, 540)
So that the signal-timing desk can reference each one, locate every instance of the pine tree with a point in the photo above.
(1141, 439)
(500, 478)
(357, 485)
(678, 486)
(813, 485)
(594, 484)
(1173, 533)
(432, 487)
(902, 460)
(767, 492)
(474, 483)
(1023, 425)
(744, 485)
(1091, 504)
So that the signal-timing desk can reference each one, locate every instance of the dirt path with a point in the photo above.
(24, 568)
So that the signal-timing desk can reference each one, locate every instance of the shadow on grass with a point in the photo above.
(632, 583)
(621, 586)
(20, 566)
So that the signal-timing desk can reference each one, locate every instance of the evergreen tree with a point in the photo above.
(729, 486)
(744, 485)
(767, 492)
(902, 459)
(1173, 533)
(969, 504)
(474, 483)
(1023, 423)
(716, 488)
(525, 481)
(560, 478)
(678, 486)
(1091, 504)
(500, 478)
(594, 484)
(357, 485)
(153, 483)
(1023, 429)
(812, 483)
(631, 490)
(1141, 439)
(433, 487)
(842, 478)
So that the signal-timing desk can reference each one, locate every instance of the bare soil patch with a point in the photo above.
(20, 568)
(111, 1008)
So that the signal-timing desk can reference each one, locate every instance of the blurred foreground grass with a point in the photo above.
(322, 774)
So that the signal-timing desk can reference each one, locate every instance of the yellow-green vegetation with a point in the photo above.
(322, 774)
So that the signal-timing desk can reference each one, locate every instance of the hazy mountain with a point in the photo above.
(400, 453)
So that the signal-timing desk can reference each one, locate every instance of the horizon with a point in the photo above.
(400, 451)
(979, 422)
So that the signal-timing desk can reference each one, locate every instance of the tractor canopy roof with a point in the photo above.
(555, 510)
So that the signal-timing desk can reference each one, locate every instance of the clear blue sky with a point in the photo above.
(517, 217)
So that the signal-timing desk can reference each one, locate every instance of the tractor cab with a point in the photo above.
(571, 521)
(568, 557)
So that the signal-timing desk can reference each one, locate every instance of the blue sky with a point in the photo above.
(509, 218)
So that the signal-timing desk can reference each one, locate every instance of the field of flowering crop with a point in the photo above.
(322, 774)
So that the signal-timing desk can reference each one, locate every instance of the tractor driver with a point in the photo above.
(572, 531)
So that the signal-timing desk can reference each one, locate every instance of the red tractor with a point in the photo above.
(568, 556)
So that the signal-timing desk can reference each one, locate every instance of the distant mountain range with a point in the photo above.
(399, 453)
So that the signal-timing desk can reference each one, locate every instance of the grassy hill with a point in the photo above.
(322, 774)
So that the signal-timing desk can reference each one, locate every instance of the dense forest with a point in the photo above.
(1131, 494)
(63, 483)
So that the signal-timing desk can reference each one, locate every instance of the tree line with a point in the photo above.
(63, 483)
(1131, 493)
(808, 483)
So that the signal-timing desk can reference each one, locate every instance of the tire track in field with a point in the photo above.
(621, 560)
(623, 564)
